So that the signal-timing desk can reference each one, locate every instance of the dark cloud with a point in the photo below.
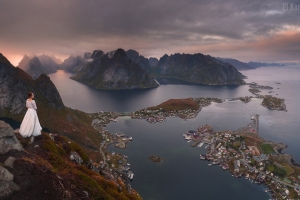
(151, 27)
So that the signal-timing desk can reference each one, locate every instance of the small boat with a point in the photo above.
(200, 145)
(130, 138)
(189, 140)
(206, 146)
(128, 164)
(209, 164)
(130, 175)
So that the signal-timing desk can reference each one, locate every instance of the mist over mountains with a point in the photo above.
(239, 65)
(37, 65)
(130, 70)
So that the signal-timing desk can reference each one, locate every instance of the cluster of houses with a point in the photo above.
(241, 160)
(154, 116)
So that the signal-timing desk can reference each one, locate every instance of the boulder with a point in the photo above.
(75, 157)
(8, 140)
(9, 162)
(5, 175)
(13, 186)
(4, 189)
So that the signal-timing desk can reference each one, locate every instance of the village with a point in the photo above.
(247, 155)
(242, 152)
(182, 108)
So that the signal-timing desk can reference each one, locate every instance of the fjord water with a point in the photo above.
(87, 99)
(183, 175)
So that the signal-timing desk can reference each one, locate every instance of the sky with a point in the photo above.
(248, 30)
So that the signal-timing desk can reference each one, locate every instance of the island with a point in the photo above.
(156, 159)
(273, 103)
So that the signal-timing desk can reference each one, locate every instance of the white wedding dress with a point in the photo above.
(30, 125)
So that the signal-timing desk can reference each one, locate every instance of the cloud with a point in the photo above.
(152, 27)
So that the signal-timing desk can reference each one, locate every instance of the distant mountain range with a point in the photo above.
(250, 65)
(42, 64)
(104, 71)
(130, 70)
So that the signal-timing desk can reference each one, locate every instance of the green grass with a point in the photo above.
(267, 148)
(279, 171)
(176, 104)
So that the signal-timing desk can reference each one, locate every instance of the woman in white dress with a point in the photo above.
(30, 125)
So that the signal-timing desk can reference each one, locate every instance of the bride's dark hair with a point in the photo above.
(30, 94)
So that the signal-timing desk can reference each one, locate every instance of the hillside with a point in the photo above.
(53, 167)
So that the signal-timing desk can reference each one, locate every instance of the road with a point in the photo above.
(275, 179)
(100, 149)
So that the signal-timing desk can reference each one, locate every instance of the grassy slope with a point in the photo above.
(176, 104)
(48, 168)
(74, 124)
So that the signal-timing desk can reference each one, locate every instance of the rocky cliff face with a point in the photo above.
(198, 68)
(35, 68)
(114, 71)
(153, 61)
(15, 84)
(139, 59)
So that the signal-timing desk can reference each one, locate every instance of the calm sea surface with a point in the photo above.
(183, 175)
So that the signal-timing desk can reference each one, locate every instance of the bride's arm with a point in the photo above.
(34, 105)
(27, 104)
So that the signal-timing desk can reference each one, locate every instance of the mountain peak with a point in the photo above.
(3, 60)
(120, 54)
(96, 54)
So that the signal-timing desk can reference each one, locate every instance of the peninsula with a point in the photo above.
(244, 153)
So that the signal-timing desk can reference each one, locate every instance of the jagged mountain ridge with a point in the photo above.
(34, 67)
(15, 84)
(198, 68)
(145, 63)
(113, 71)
